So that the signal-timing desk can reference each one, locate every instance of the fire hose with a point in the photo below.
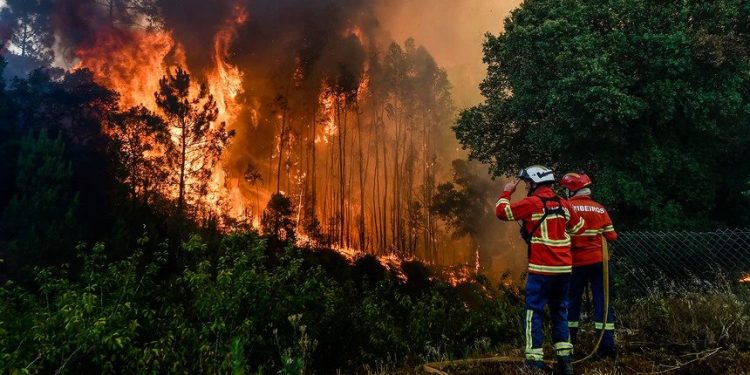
(605, 280)
(435, 367)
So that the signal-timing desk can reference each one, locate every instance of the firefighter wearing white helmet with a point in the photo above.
(547, 223)
(536, 175)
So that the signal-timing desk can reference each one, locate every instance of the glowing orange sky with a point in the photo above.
(452, 31)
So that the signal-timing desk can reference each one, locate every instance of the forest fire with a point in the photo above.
(288, 186)
(226, 81)
(353, 126)
(118, 61)
(132, 62)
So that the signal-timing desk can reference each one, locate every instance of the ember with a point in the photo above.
(353, 126)
(346, 135)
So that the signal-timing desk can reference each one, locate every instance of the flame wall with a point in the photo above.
(354, 129)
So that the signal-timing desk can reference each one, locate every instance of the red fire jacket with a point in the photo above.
(587, 246)
(550, 243)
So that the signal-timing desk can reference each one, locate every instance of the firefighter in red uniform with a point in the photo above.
(548, 221)
(587, 260)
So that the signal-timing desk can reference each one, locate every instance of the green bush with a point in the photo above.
(696, 319)
(241, 306)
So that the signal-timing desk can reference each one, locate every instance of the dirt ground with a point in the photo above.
(715, 361)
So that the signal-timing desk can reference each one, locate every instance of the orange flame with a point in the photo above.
(225, 81)
(118, 62)
(133, 61)
(225, 84)
(327, 101)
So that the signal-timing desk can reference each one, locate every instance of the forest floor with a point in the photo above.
(625, 364)
(634, 358)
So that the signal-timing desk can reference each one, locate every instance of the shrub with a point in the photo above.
(239, 306)
(717, 315)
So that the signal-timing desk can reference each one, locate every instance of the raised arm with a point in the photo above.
(504, 210)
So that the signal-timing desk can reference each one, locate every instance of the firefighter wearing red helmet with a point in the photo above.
(587, 260)
(547, 224)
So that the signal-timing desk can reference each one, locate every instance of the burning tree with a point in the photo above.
(277, 218)
(138, 137)
(352, 126)
(199, 141)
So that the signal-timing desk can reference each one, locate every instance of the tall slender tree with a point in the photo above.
(31, 29)
(199, 140)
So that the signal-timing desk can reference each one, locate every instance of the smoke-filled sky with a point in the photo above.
(262, 48)
(453, 31)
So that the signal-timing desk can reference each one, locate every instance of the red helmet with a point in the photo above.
(575, 181)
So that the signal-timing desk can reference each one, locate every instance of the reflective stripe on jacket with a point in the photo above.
(587, 246)
(550, 243)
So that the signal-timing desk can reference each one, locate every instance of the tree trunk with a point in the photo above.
(361, 187)
(183, 164)
(281, 146)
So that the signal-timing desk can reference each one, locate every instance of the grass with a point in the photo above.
(672, 330)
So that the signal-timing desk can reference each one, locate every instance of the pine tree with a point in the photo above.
(199, 142)
(139, 138)
(32, 33)
(277, 218)
(39, 222)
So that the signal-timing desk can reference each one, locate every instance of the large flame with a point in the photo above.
(225, 84)
(225, 81)
(351, 161)
(133, 61)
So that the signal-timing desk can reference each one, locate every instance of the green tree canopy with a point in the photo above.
(39, 221)
(651, 98)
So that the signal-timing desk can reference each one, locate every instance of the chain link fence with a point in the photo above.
(645, 261)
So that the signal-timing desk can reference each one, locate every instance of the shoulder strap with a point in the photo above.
(547, 211)
(558, 210)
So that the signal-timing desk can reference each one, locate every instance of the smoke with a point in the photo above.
(453, 32)
(327, 108)
(194, 24)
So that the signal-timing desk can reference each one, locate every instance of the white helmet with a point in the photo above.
(537, 174)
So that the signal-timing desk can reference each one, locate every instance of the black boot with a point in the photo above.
(564, 365)
(535, 367)
(573, 335)
(607, 353)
